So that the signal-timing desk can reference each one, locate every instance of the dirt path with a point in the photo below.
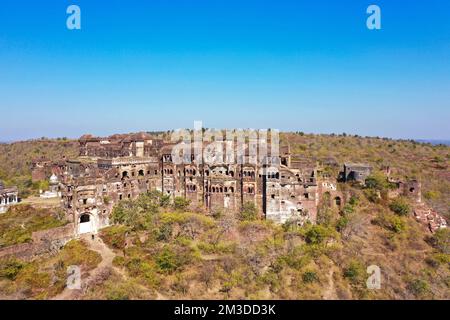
(97, 274)
(330, 291)
(107, 255)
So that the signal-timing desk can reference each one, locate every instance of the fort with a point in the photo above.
(282, 186)
(124, 166)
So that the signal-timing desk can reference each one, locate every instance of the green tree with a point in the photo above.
(418, 287)
(400, 206)
(377, 181)
(248, 212)
(171, 259)
(309, 277)
(354, 271)
(441, 240)
(10, 268)
(316, 234)
(181, 204)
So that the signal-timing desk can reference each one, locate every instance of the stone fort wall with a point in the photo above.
(43, 242)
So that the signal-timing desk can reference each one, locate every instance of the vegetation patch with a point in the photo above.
(20, 221)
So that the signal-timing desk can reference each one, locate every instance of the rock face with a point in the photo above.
(433, 220)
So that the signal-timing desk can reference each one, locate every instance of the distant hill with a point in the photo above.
(407, 159)
(16, 158)
(169, 253)
(434, 142)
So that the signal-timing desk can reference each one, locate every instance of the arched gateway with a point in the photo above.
(85, 224)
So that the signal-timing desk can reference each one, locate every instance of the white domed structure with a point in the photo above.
(54, 188)
(54, 179)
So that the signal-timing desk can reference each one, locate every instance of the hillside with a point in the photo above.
(406, 159)
(178, 254)
(409, 159)
(16, 158)
(157, 250)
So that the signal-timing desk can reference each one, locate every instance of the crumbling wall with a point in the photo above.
(43, 242)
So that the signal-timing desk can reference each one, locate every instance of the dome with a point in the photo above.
(53, 179)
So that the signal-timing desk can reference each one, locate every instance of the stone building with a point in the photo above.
(8, 196)
(119, 145)
(42, 168)
(290, 193)
(125, 166)
(356, 172)
(410, 188)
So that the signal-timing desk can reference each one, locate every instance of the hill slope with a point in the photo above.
(16, 158)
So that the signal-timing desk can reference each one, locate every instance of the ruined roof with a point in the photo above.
(140, 136)
(167, 148)
(8, 190)
(88, 137)
(117, 138)
(329, 161)
(357, 165)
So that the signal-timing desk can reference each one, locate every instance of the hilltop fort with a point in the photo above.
(123, 166)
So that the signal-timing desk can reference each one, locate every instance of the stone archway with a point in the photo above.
(85, 224)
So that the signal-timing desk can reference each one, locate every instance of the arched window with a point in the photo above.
(231, 189)
(337, 200)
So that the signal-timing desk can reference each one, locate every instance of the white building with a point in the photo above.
(8, 196)
(54, 189)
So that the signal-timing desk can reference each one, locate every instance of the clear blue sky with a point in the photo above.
(310, 66)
